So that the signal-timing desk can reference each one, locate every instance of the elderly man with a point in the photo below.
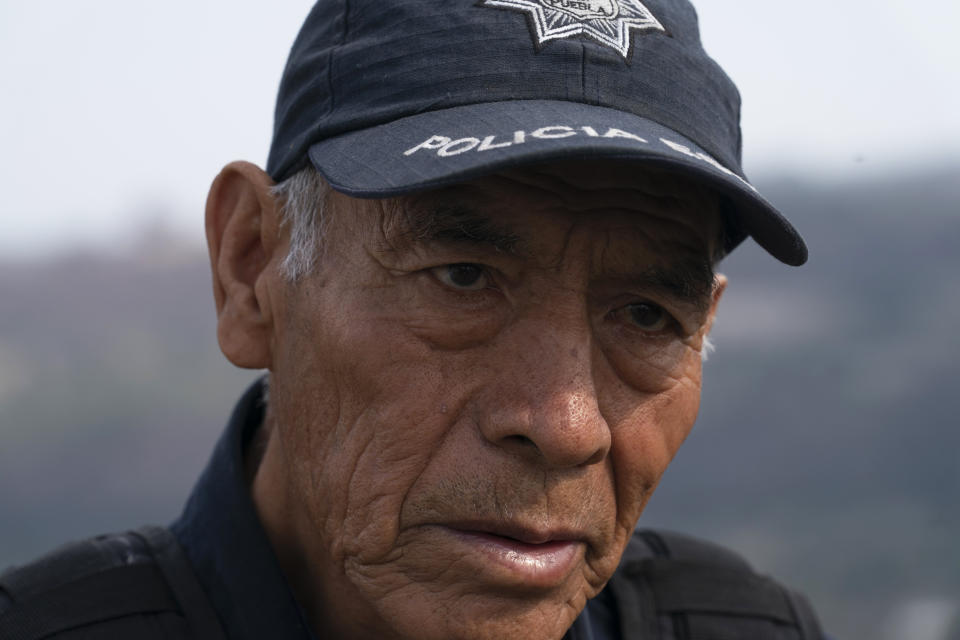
(480, 272)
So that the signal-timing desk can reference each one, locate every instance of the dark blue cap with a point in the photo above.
(389, 97)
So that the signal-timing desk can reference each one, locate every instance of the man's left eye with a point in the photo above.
(464, 276)
(648, 316)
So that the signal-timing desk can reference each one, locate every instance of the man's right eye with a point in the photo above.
(648, 316)
(462, 276)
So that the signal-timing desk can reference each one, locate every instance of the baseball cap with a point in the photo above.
(389, 97)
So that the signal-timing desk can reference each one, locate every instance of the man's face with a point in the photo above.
(479, 389)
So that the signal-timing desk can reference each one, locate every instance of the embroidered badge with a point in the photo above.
(609, 22)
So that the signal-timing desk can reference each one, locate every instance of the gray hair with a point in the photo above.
(303, 199)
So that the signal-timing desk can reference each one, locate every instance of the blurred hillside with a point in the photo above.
(827, 450)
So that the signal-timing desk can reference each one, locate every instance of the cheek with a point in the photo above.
(648, 436)
(362, 422)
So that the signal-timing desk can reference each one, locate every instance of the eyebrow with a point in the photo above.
(456, 223)
(689, 281)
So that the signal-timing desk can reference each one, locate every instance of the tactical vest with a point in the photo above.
(140, 585)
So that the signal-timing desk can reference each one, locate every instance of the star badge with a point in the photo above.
(609, 22)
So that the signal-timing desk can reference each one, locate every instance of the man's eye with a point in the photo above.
(648, 316)
(463, 276)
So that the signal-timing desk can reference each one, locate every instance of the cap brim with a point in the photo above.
(443, 147)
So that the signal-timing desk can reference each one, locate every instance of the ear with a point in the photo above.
(719, 286)
(244, 243)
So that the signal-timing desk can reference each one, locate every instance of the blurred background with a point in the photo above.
(828, 447)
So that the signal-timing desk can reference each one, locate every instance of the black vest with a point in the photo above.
(140, 585)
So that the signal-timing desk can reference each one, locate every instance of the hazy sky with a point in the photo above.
(118, 112)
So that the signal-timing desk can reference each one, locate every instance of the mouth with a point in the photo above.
(527, 557)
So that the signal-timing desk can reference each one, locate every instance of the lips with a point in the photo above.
(515, 555)
(517, 532)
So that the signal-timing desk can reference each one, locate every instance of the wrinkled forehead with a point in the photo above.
(630, 210)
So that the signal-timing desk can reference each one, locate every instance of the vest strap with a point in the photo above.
(193, 602)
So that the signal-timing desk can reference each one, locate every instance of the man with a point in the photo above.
(479, 269)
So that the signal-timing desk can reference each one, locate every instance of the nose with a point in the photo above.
(546, 404)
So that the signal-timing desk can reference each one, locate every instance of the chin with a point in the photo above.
(481, 618)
